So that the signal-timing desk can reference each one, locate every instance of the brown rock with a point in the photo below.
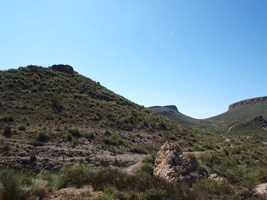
(63, 68)
(247, 101)
(172, 165)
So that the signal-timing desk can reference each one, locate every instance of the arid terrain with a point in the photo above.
(65, 136)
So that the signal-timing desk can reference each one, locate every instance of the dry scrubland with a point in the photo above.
(61, 133)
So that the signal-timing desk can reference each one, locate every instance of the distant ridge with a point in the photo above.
(247, 101)
(240, 112)
(171, 111)
(172, 107)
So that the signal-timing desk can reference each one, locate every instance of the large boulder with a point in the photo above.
(172, 165)
(63, 68)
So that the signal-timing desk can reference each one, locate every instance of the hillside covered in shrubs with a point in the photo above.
(64, 136)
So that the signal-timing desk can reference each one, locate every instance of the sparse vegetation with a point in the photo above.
(74, 119)
(77, 176)
(137, 149)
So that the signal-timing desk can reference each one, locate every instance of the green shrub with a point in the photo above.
(103, 197)
(171, 136)
(42, 137)
(7, 132)
(137, 149)
(89, 135)
(75, 132)
(7, 118)
(56, 102)
(10, 187)
(57, 128)
(114, 139)
(154, 194)
(6, 146)
(211, 189)
(77, 175)
(22, 127)
(38, 191)
(109, 176)
(149, 159)
(69, 137)
(147, 168)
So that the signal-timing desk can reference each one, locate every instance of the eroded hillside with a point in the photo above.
(51, 118)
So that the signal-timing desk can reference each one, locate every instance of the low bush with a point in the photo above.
(147, 168)
(56, 102)
(11, 190)
(154, 194)
(211, 189)
(137, 149)
(77, 175)
(12, 183)
(6, 146)
(109, 176)
(89, 135)
(7, 132)
(75, 132)
(113, 139)
(22, 127)
(69, 137)
(42, 137)
(7, 118)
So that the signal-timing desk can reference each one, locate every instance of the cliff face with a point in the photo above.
(247, 101)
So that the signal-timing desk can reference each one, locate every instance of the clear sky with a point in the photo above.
(200, 55)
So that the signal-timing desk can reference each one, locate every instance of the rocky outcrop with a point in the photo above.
(247, 101)
(172, 165)
(63, 68)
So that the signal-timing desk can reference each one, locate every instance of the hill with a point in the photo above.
(254, 127)
(236, 115)
(60, 116)
(172, 112)
(60, 131)
(239, 112)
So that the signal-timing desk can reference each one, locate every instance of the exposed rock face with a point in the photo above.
(247, 101)
(63, 68)
(172, 165)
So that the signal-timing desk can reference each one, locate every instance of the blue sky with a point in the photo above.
(200, 55)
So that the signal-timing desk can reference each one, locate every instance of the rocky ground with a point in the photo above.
(52, 155)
